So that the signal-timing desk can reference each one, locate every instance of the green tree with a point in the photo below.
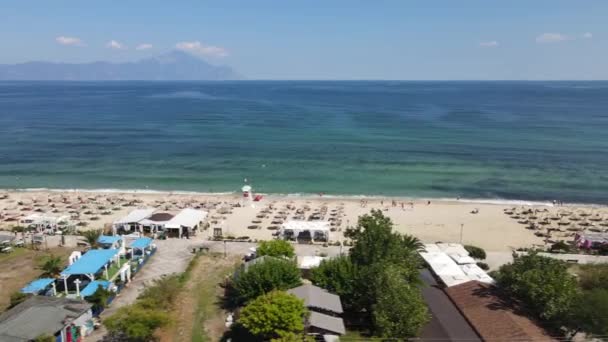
(590, 313)
(276, 248)
(99, 298)
(274, 315)
(399, 311)
(339, 276)
(51, 266)
(135, 323)
(268, 275)
(542, 284)
(476, 252)
(18, 298)
(374, 241)
(91, 236)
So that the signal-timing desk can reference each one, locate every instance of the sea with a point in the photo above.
(537, 141)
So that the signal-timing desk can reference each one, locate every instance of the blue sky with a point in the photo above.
(324, 39)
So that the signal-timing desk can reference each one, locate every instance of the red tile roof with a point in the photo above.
(491, 316)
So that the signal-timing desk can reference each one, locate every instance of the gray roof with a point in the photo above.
(326, 322)
(316, 297)
(39, 315)
(5, 237)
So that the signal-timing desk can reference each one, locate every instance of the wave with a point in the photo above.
(492, 201)
(187, 94)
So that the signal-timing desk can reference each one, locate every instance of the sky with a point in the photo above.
(323, 39)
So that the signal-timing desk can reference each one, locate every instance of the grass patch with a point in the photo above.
(207, 300)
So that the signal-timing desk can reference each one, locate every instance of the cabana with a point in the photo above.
(44, 221)
(317, 230)
(186, 221)
(131, 221)
(90, 264)
(40, 286)
(109, 242)
(142, 244)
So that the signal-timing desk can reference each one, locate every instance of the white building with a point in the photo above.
(148, 220)
(452, 264)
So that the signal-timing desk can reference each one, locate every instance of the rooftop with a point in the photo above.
(37, 285)
(493, 316)
(326, 322)
(48, 313)
(90, 262)
(316, 297)
(136, 216)
(186, 218)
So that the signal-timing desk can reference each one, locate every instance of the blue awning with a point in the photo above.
(90, 262)
(106, 239)
(37, 285)
(93, 286)
(141, 243)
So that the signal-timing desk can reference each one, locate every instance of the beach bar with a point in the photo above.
(131, 222)
(90, 265)
(186, 222)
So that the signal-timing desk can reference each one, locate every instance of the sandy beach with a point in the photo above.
(482, 223)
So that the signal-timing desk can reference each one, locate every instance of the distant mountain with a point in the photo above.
(175, 65)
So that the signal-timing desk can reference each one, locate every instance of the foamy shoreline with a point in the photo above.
(308, 196)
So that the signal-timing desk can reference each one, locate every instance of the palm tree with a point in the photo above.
(91, 236)
(51, 265)
(412, 243)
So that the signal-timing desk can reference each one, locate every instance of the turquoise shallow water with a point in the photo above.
(511, 140)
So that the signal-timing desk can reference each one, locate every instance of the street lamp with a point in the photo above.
(461, 228)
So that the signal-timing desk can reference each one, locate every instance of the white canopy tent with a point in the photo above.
(188, 218)
(42, 221)
(131, 221)
(293, 228)
(451, 263)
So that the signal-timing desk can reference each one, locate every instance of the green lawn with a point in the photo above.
(113, 269)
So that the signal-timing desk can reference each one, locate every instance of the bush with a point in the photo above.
(483, 265)
(593, 276)
(542, 284)
(476, 252)
(275, 248)
(590, 313)
(274, 315)
(263, 277)
(136, 323)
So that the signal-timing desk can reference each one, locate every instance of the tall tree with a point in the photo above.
(374, 241)
(338, 275)
(399, 311)
(276, 248)
(263, 277)
(91, 236)
(274, 315)
(543, 284)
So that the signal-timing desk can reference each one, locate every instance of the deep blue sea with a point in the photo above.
(497, 140)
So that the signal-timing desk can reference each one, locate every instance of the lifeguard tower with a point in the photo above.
(247, 198)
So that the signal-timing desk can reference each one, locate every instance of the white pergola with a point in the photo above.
(297, 226)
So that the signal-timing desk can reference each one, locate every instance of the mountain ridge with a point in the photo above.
(172, 66)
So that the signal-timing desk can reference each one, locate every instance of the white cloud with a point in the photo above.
(112, 44)
(200, 49)
(491, 43)
(144, 46)
(73, 41)
(551, 38)
(587, 35)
